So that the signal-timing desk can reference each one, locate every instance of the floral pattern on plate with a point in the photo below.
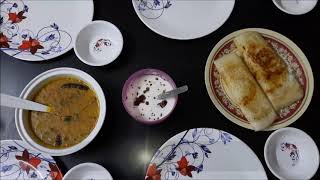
(46, 41)
(285, 53)
(187, 156)
(18, 161)
(101, 44)
(153, 9)
(292, 150)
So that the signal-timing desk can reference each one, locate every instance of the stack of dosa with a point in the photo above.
(258, 81)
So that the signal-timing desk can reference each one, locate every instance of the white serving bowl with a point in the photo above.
(99, 43)
(295, 7)
(290, 153)
(21, 116)
(87, 171)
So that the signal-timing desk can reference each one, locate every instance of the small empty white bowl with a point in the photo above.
(87, 171)
(98, 43)
(295, 7)
(290, 153)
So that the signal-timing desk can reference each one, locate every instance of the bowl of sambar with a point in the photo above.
(78, 109)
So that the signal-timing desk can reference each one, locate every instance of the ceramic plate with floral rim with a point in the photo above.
(205, 153)
(19, 161)
(296, 61)
(40, 30)
(188, 19)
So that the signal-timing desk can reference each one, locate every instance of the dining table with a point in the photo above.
(125, 146)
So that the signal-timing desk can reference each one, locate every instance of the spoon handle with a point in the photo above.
(173, 93)
(15, 102)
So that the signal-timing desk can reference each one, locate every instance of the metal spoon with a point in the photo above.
(172, 93)
(15, 102)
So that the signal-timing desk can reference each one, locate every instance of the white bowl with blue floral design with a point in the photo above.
(99, 43)
(291, 153)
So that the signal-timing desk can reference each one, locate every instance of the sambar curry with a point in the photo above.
(75, 110)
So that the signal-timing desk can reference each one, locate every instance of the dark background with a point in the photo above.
(122, 140)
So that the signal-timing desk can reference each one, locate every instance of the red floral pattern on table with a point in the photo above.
(153, 173)
(32, 44)
(4, 41)
(184, 168)
(16, 18)
(26, 163)
(291, 60)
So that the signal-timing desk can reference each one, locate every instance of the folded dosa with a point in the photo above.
(271, 72)
(242, 88)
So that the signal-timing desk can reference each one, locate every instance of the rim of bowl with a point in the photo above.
(34, 84)
(95, 165)
(103, 62)
(266, 157)
(275, 2)
(137, 74)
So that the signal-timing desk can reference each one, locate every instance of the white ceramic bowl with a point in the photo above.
(21, 116)
(87, 171)
(99, 43)
(291, 154)
(295, 7)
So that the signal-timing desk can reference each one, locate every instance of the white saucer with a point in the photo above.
(295, 7)
(87, 171)
(291, 154)
(99, 43)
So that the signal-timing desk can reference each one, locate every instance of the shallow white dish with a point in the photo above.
(183, 19)
(21, 116)
(51, 25)
(295, 7)
(290, 153)
(205, 154)
(99, 43)
(87, 171)
(21, 162)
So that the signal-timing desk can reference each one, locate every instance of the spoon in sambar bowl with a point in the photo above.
(15, 102)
